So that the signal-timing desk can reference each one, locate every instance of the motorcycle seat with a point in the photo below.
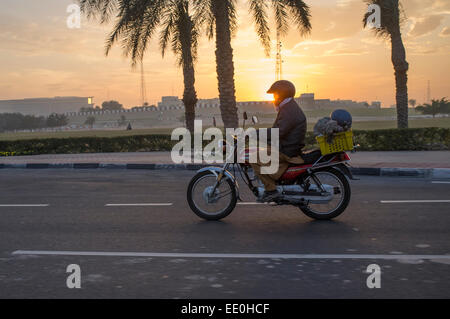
(310, 157)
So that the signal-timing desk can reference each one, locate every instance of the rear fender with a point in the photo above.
(344, 169)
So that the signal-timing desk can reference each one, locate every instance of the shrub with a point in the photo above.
(420, 139)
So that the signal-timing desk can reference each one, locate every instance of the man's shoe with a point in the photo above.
(269, 196)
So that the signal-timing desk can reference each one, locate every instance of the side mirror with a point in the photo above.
(255, 119)
(245, 116)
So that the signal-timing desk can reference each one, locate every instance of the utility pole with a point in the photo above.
(279, 60)
(429, 92)
(143, 86)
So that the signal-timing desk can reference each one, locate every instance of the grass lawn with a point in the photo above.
(366, 125)
(69, 134)
(415, 123)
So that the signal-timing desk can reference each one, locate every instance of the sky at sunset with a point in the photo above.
(41, 57)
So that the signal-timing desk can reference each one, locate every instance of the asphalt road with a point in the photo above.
(73, 216)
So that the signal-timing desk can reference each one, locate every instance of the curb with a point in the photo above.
(437, 173)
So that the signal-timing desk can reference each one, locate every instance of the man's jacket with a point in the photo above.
(291, 122)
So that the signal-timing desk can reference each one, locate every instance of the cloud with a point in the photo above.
(316, 42)
(419, 8)
(426, 25)
(344, 3)
(445, 32)
(426, 48)
(341, 51)
(339, 22)
(442, 5)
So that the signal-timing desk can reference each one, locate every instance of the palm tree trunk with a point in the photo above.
(224, 64)
(189, 94)
(401, 78)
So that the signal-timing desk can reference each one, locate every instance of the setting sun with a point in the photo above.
(268, 97)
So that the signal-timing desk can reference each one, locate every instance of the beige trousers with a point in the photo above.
(269, 180)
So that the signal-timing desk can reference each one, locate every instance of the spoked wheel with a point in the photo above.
(338, 184)
(208, 203)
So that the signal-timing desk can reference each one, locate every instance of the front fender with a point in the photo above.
(217, 170)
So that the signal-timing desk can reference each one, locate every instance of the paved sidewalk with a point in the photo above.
(408, 159)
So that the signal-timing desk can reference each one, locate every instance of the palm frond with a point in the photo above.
(185, 42)
(258, 9)
(167, 27)
(232, 15)
(102, 9)
(119, 27)
(392, 17)
(204, 16)
(300, 13)
(281, 16)
(137, 20)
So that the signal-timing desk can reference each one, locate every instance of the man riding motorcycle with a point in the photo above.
(291, 122)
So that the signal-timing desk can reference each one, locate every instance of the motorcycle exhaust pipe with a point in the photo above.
(293, 194)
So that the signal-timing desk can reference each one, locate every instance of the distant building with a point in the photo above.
(306, 101)
(169, 101)
(375, 105)
(46, 106)
(215, 101)
(323, 104)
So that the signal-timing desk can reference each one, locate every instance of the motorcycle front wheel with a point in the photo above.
(208, 203)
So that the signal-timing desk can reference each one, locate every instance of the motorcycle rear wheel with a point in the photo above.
(344, 187)
(195, 201)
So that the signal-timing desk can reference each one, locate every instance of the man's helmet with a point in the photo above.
(283, 88)
(343, 118)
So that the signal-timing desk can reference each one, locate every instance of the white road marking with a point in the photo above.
(251, 203)
(24, 205)
(440, 182)
(136, 205)
(243, 256)
(415, 201)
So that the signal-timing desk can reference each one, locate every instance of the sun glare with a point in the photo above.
(268, 97)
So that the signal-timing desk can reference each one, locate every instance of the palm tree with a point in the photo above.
(412, 103)
(221, 19)
(90, 121)
(391, 19)
(136, 22)
(285, 11)
(441, 106)
(181, 30)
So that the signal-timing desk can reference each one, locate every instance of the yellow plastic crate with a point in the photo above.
(341, 142)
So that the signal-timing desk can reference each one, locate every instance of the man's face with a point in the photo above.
(277, 99)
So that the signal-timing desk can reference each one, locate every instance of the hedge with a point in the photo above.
(420, 139)
(417, 139)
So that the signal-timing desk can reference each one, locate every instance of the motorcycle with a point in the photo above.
(319, 187)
